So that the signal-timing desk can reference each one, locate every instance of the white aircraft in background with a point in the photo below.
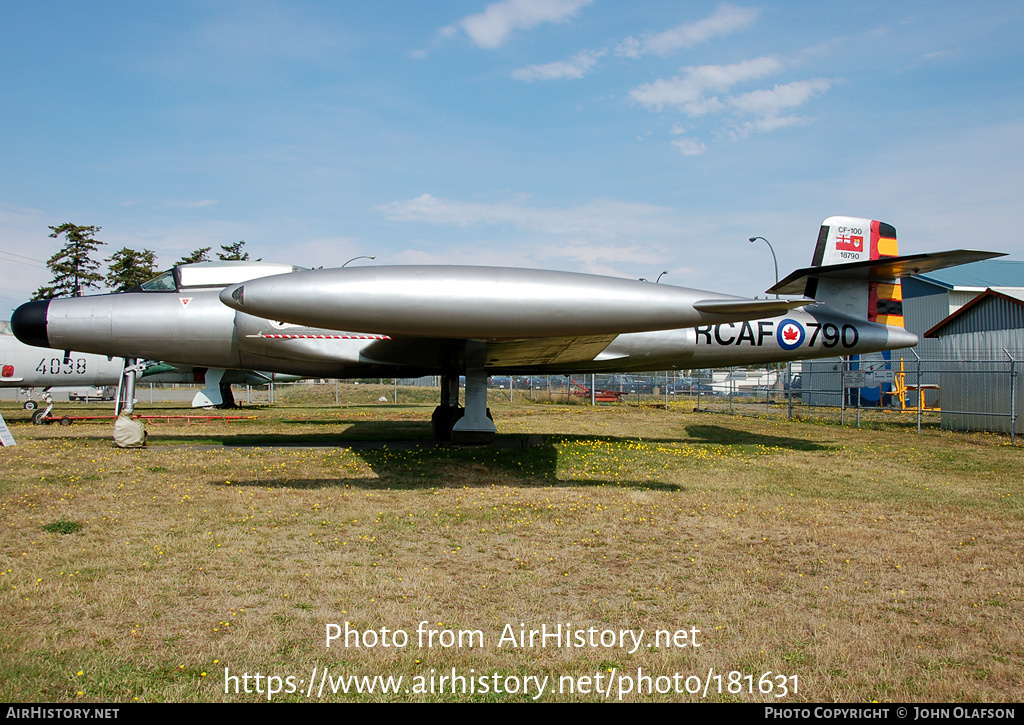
(27, 367)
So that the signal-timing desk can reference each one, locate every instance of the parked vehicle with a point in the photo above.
(92, 393)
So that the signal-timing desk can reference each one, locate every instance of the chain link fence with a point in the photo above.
(977, 395)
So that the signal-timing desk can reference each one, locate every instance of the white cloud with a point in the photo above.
(769, 123)
(591, 236)
(686, 146)
(577, 67)
(492, 27)
(628, 48)
(688, 91)
(689, 146)
(199, 204)
(768, 106)
(757, 111)
(771, 102)
(603, 218)
(727, 19)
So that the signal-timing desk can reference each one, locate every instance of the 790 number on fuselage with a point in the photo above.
(790, 334)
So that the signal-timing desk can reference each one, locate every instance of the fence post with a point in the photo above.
(842, 388)
(920, 392)
(789, 377)
(1013, 398)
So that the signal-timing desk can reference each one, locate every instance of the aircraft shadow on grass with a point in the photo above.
(720, 435)
(403, 454)
(402, 451)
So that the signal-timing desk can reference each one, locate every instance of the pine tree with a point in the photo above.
(200, 255)
(233, 253)
(128, 268)
(74, 270)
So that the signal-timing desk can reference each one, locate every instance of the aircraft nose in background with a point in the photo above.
(29, 323)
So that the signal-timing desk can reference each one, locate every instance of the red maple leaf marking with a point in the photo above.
(790, 334)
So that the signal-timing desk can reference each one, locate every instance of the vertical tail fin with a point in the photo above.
(856, 269)
(843, 240)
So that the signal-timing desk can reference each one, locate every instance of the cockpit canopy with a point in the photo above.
(212, 274)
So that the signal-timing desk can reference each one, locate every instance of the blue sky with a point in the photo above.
(584, 135)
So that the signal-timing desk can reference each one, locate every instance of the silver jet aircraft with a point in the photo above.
(407, 321)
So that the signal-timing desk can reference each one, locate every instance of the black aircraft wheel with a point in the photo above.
(31, 405)
(39, 417)
(66, 421)
(442, 420)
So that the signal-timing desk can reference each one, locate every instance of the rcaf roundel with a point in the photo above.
(790, 334)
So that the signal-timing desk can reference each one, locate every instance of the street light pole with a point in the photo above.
(754, 239)
(370, 256)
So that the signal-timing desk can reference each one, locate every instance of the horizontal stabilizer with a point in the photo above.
(882, 269)
(754, 308)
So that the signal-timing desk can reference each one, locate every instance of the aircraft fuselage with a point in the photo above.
(197, 329)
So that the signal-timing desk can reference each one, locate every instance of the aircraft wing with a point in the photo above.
(546, 350)
(501, 353)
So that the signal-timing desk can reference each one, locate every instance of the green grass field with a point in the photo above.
(835, 563)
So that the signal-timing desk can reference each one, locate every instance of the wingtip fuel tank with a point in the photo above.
(459, 302)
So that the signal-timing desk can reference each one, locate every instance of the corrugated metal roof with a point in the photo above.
(990, 273)
(1015, 292)
(999, 308)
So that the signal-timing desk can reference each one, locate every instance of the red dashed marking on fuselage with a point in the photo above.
(328, 337)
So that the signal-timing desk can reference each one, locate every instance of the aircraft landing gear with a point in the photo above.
(442, 420)
(40, 416)
(471, 425)
(30, 405)
(475, 427)
(445, 415)
(128, 433)
(227, 397)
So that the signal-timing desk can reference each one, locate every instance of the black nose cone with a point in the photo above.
(29, 323)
